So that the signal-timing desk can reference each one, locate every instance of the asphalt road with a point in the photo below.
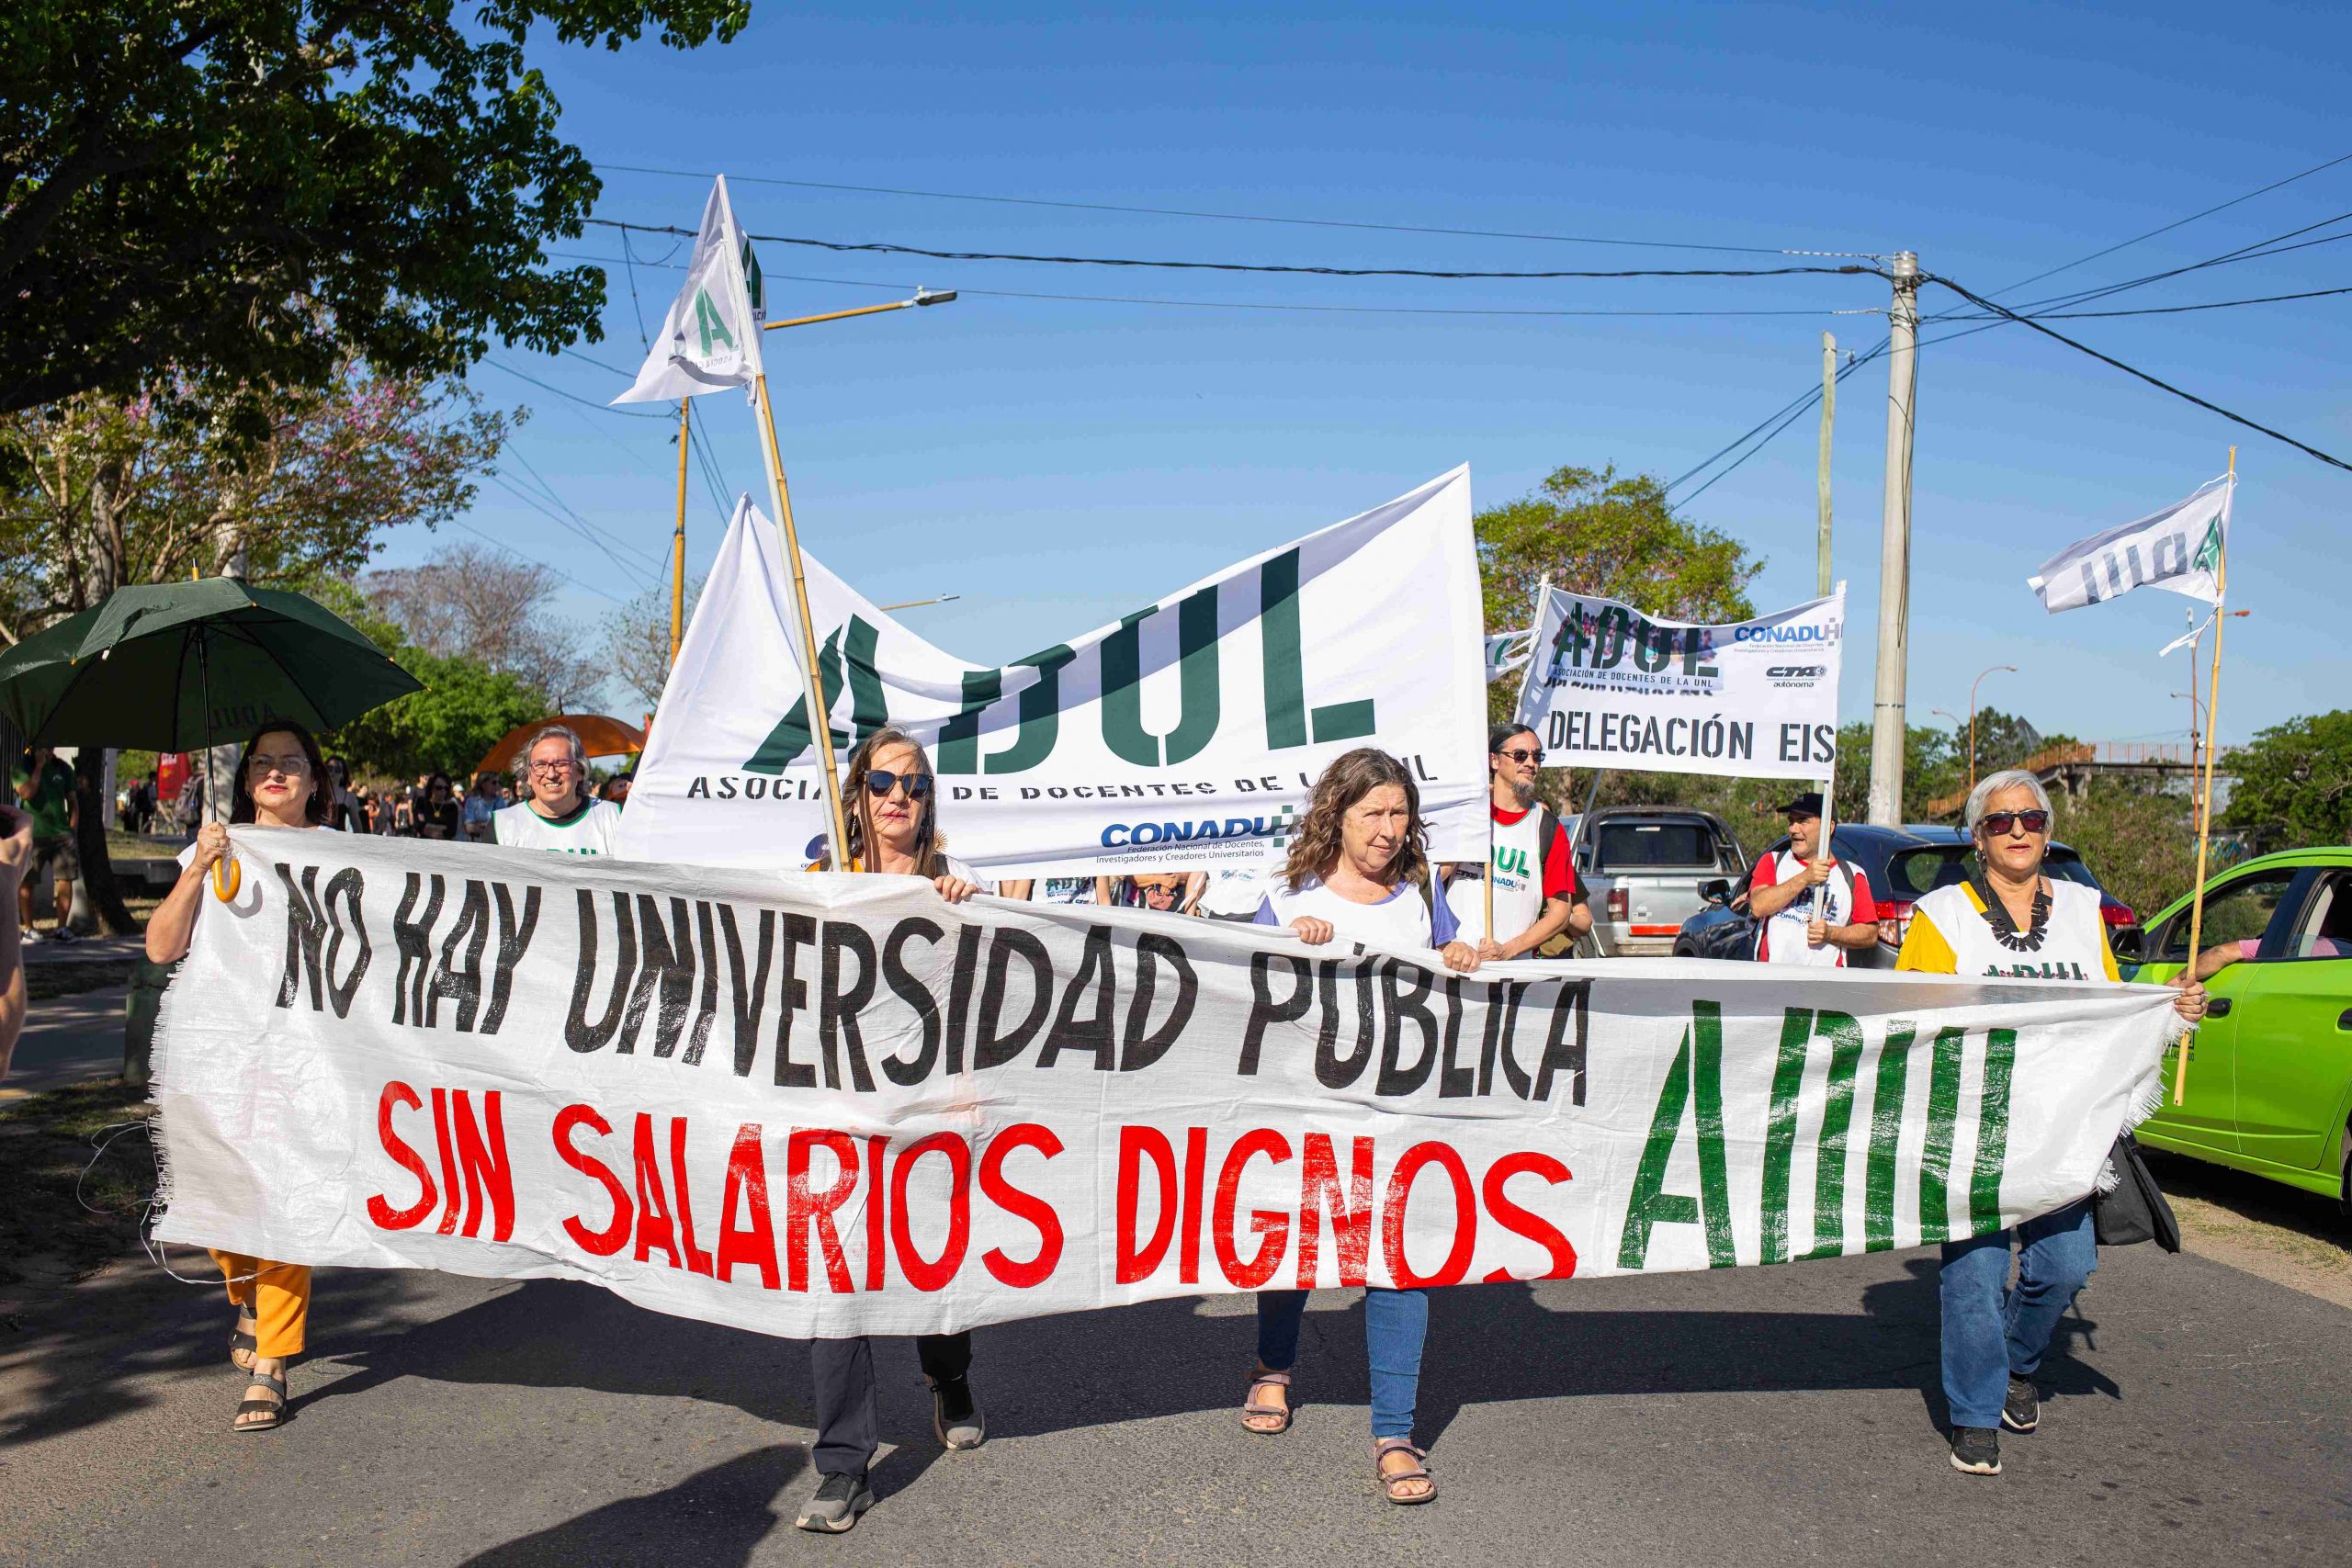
(2198, 1415)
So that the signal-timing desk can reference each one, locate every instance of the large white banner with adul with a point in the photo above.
(1189, 733)
(825, 1105)
(1610, 686)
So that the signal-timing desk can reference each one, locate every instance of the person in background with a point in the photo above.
(1354, 865)
(2008, 919)
(893, 824)
(438, 814)
(278, 785)
(16, 859)
(1809, 908)
(403, 810)
(1164, 892)
(506, 795)
(1537, 894)
(44, 784)
(483, 802)
(342, 806)
(617, 788)
(557, 813)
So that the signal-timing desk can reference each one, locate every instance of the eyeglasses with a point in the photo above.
(1999, 823)
(880, 782)
(1166, 890)
(293, 767)
(553, 770)
(1521, 755)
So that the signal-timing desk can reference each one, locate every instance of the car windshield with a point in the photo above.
(1641, 846)
(1913, 872)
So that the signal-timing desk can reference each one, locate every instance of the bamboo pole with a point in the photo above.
(678, 538)
(1542, 602)
(2205, 795)
(820, 718)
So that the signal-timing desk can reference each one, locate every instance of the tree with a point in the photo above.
(1594, 532)
(196, 184)
(1932, 767)
(2139, 841)
(2294, 780)
(491, 608)
(636, 641)
(464, 708)
(99, 492)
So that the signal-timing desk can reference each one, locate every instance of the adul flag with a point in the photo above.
(710, 340)
(2178, 549)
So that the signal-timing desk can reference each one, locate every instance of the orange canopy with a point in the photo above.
(603, 737)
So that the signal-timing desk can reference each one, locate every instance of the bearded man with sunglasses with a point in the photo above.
(1537, 894)
(2009, 920)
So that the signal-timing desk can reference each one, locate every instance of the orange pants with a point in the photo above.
(279, 1296)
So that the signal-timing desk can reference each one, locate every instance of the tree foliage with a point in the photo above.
(99, 492)
(493, 609)
(464, 709)
(636, 641)
(2294, 782)
(197, 183)
(2140, 841)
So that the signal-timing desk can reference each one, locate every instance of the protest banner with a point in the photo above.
(1189, 733)
(820, 1105)
(1610, 686)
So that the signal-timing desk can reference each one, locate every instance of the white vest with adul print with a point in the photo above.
(2074, 949)
(1518, 882)
(1784, 940)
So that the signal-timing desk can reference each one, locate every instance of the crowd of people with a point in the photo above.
(1357, 870)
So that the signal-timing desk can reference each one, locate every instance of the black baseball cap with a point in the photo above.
(1806, 805)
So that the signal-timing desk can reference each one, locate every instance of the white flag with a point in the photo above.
(2178, 549)
(710, 340)
(1506, 651)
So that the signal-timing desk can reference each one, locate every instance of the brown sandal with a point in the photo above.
(269, 1413)
(243, 1347)
(1389, 1480)
(1253, 1408)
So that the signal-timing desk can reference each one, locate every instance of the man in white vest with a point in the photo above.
(557, 812)
(1537, 894)
(1809, 908)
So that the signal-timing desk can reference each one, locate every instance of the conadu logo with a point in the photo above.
(846, 664)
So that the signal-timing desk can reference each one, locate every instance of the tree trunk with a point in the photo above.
(98, 871)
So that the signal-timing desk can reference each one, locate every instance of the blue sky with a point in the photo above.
(1059, 462)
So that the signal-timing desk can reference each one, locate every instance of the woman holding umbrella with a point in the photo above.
(280, 783)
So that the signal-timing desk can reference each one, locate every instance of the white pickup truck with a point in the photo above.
(1642, 867)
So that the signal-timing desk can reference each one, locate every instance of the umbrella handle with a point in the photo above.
(227, 877)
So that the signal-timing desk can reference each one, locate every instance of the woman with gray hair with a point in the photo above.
(2009, 920)
(557, 812)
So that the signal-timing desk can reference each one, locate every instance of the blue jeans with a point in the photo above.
(1394, 1324)
(1991, 1328)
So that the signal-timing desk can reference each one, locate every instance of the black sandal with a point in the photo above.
(274, 1409)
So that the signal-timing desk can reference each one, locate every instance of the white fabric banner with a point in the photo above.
(1188, 734)
(1610, 686)
(2177, 549)
(819, 1105)
(710, 340)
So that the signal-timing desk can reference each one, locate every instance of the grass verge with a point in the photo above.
(46, 1141)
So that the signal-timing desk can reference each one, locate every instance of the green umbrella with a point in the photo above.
(173, 666)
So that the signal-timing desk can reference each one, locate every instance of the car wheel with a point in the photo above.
(1684, 950)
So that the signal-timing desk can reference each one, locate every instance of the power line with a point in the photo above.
(2131, 370)
(559, 391)
(879, 247)
(1234, 217)
(501, 544)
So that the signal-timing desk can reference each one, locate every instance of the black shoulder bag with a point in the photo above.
(2134, 1210)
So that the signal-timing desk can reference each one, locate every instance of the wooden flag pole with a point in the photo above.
(678, 538)
(820, 713)
(1543, 602)
(2205, 795)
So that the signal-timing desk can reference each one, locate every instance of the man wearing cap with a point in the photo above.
(1809, 909)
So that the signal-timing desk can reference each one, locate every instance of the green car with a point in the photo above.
(2270, 1070)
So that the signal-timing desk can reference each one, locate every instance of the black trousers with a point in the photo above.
(848, 1421)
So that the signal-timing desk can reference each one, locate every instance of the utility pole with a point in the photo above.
(1887, 730)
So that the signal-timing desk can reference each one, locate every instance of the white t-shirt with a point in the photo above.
(1234, 893)
(591, 831)
(1843, 900)
(1404, 918)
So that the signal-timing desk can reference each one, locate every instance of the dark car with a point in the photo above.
(1903, 865)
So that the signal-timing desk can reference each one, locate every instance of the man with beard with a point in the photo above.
(1537, 894)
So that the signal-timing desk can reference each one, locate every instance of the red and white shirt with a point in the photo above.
(1844, 900)
(1521, 888)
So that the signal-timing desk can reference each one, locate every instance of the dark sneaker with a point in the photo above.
(834, 1509)
(955, 1417)
(2021, 1412)
(1976, 1451)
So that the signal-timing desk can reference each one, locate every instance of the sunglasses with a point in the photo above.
(1521, 755)
(1999, 823)
(880, 782)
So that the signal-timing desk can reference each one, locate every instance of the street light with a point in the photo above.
(922, 297)
(1971, 717)
(2196, 636)
(919, 603)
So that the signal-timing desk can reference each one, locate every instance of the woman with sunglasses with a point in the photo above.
(280, 783)
(2012, 920)
(893, 825)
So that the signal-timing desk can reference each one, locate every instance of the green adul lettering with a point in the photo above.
(1694, 1083)
(710, 324)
